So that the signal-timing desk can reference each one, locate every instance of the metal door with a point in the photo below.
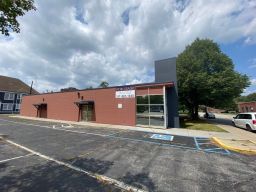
(43, 111)
(87, 112)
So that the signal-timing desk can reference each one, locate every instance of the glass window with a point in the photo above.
(156, 110)
(10, 106)
(247, 116)
(4, 106)
(142, 109)
(7, 106)
(8, 96)
(157, 121)
(156, 99)
(19, 96)
(17, 106)
(142, 99)
(142, 120)
(150, 110)
(241, 116)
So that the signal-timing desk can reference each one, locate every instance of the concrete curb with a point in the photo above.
(232, 148)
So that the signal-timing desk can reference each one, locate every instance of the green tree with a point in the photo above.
(206, 76)
(90, 87)
(10, 10)
(104, 84)
(247, 98)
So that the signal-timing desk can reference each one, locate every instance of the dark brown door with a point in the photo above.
(87, 112)
(43, 111)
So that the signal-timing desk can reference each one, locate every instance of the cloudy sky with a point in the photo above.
(80, 43)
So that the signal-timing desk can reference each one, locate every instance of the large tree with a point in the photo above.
(10, 10)
(247, 98)
(104, 84)
(206, 76)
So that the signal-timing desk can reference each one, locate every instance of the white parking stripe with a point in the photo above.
(109, 180)
(6, 160)
(60, 129)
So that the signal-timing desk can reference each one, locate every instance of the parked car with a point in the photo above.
(209, 115)
(245, 120)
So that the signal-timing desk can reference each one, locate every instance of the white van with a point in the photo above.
(245, 120)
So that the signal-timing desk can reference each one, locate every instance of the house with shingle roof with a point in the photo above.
(11, 92)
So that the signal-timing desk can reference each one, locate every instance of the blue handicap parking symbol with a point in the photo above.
(162, 137)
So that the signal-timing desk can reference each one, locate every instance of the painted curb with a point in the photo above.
(232, 148)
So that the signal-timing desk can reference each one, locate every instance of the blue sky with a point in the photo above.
(81, 43)
(244, 58)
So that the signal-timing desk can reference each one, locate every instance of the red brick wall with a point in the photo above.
(154, 90)
(61, 106)
(249, 105)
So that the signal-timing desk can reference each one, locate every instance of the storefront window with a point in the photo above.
(156, 110)
(150, 110)
(142, 120)
(143, 109)
(156, 99)
(157, 121)
(142, 99)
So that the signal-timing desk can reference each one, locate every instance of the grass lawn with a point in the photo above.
(200, 125)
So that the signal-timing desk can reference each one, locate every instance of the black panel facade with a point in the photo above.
(165, 71)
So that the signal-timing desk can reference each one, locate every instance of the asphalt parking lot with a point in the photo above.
(140, 159)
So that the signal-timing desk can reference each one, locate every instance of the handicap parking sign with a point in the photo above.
(162, 137)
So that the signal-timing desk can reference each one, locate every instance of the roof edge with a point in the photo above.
(119, 86)
(166, 59)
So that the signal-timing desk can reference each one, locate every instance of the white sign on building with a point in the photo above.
(125, 94)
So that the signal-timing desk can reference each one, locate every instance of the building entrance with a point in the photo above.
(150, 110)
(41, 110)
(87, 112)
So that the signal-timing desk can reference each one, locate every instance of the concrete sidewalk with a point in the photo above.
(172, 131)
(238, 133)
(239, 140)
(238, 145)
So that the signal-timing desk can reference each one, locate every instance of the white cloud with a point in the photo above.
(253, 81)
(252, 88)
(67, 43)
(253, 63)
(248, 91)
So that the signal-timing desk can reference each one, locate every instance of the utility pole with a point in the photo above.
(30, 91)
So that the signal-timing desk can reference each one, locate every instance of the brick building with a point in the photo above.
(149, 104)
(247, 106)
